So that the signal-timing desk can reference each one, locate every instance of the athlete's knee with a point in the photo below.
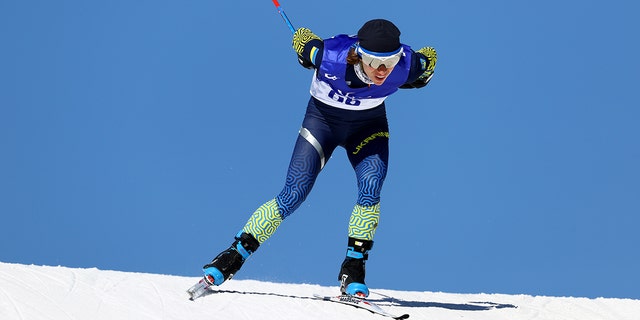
(371, 173)
(290, 199)
(369, 193)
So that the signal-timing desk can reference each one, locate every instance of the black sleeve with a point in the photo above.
(416, 70)
(311, 54)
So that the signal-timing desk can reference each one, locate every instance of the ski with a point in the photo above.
(361, 303)
(202, 287)
(198, 290)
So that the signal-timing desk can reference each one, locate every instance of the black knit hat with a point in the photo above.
(379, 35)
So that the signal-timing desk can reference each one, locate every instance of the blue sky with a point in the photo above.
(140, 136)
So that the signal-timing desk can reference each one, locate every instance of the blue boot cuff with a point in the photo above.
(242, 251)
(352, 253)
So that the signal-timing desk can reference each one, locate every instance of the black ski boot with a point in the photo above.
(228, 262)
(352, 271)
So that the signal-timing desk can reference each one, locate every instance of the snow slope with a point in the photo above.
(30, 292)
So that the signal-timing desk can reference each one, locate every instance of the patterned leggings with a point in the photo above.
(365, 137)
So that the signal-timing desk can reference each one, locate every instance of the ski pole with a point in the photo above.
(284, 16)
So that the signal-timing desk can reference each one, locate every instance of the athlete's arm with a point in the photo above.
(423, 64)
(308, 47)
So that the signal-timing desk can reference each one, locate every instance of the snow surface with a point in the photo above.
(42, 292)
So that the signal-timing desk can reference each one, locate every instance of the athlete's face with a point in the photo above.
(378, 75)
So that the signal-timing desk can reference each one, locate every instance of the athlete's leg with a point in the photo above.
(368, 153)
(314, 146)
(369, 158)
(301, 176)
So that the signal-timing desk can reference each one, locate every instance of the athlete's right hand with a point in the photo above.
(301, 37)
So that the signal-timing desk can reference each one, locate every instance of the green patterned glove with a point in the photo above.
(301, 37)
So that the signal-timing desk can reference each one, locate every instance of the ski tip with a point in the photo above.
(195, 295)
(197, 290)
(191, 295)
(404, 316)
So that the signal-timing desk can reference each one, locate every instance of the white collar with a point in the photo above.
(361, 75)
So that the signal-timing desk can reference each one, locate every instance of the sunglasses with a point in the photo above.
(376, 59)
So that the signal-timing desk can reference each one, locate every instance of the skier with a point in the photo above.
(353, 76)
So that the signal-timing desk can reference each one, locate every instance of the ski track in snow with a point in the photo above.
(30, 292)
(160, 299)
(13, 304)
(31, 305)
